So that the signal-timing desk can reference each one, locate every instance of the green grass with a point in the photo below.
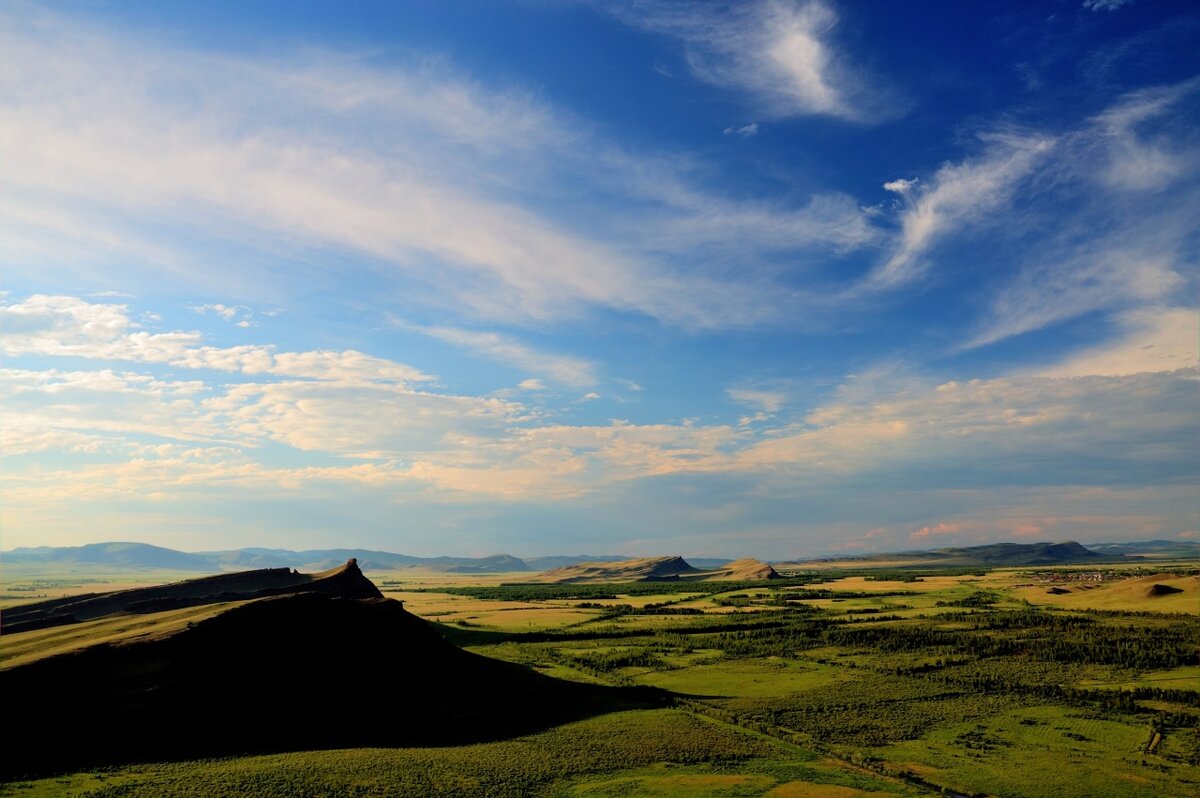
(675, 751)
(747, 678)
(1185, 678)
(1045, 751)
(24, 647)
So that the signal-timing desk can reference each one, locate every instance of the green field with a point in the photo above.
(651, 752)
(805, 687)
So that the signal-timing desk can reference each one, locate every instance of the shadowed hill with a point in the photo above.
(1067, 553)
(646, 569)
(135, 556)
(345, 580)
(118, 555)
(658, 569)
(289, 672)
(995, 555)
(745, 570)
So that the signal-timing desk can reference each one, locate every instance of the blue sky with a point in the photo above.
(773, 279)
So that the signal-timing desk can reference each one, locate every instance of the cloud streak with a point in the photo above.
(563, 369)
(956, 195)
(778, 52)
(438, 183)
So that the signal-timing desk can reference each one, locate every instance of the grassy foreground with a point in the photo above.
(650, 752)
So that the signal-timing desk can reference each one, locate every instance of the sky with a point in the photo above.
(775, 279)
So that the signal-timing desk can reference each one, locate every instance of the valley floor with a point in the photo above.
(873, 684)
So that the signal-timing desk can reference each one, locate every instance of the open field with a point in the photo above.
(651, 752)
(861, 685)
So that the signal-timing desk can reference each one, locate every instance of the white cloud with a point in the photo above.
(1156, 339)
(532, 384)
(564, 369)
(363, 420)
(1105, 5)
(769, 401)
(1116, 241)
(68, 326)
(64, 410)
(957, 195)
(1133, 162)
(432, 180)
(900, 185)
(1013, 430)
(1133, 263)
(745, 131)
(239, 315)
(350, 432)
(777, 51)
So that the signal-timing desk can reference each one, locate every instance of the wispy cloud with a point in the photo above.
(64, 326)
(433, 181)
(1133, 264)
(563, 369)
(769, 401)
(958, 194)
(1070, 222)
(1124, 243)
(1105, 5)
(350, 421)
(745, 131)
(1132, 161)
(1154, 339)
(239, 315)
(779, 52)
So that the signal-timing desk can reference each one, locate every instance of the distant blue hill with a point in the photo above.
(121, 555)
(146, 556)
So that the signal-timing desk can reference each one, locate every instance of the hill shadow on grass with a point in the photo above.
(288, 673)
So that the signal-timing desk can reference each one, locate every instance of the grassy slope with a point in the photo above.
(650, 752)
(1129, 594)
(27, 647)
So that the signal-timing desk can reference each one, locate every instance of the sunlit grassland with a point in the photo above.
(747, 678)
(855, 701)
(1043, 751)
(506, 615)
(664, 752)
(1132, 594)
(22, 583)
(23, 647)
(953, 681)
(1185, 678)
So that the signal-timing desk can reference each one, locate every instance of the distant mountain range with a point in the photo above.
(1018, 554)
(145, 556)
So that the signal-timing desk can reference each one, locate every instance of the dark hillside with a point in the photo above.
(1066, 553)
(292, 672)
